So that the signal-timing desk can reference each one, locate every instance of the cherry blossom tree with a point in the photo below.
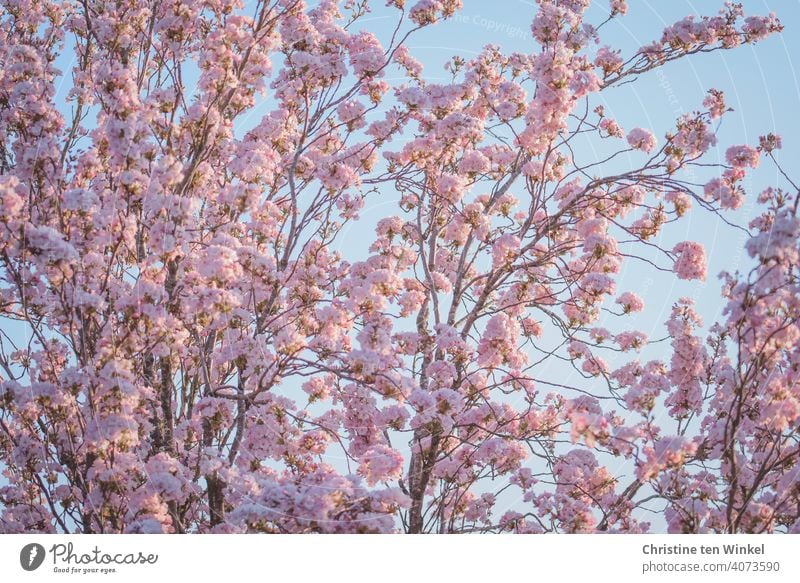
(188, 347)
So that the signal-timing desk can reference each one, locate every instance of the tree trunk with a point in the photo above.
(419, 473)
(216, 487)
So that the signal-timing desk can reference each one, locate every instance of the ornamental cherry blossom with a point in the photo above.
(641, 139)
(690, 261)
(202, 335)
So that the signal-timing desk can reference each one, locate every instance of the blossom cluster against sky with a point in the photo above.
(761, 83)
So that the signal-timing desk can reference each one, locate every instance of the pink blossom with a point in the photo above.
(715, 103)
(770, 142)
(630, 302)
(680, 200)
(531, 327)
(641, 139)
(505, 250)
(690, 260)
(630, 340)
(474, 162)
(609, 62)
(11, 202)
(351, 113)
(612, 128)
(619, 7)
(742, 156)
(729, 196)
(381, 464)
(220, 263)
(668, 452)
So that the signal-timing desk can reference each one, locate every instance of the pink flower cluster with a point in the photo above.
(641, 139)
(690, 260)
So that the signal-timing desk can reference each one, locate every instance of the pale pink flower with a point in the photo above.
(690, 260)
(641, 139)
